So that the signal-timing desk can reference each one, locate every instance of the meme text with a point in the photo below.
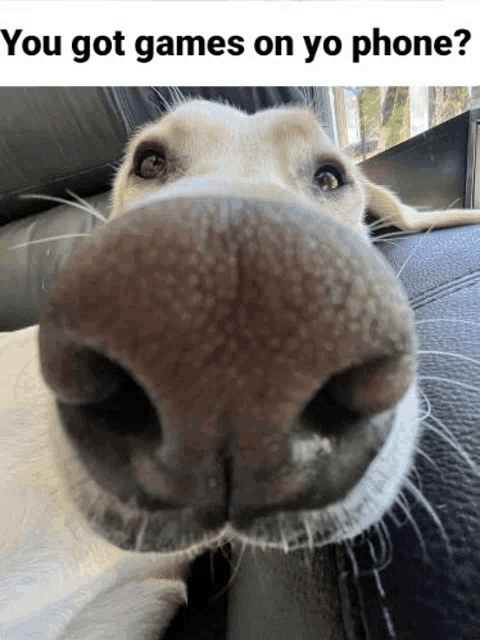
(147, 48)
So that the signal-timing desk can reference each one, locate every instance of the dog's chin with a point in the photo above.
(135, 525)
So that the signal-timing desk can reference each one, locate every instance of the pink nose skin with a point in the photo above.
(226, 358)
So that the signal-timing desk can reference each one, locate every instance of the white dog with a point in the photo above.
(227, 359)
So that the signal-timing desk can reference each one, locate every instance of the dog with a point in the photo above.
(226, 359)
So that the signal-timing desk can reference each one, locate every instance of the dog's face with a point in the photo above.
(279, 154)
(229, 355)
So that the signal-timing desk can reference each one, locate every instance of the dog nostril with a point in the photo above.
(359, 392)
(373, 386)
(81, 376)
(127, 411)
(325, 411)
(86, 380)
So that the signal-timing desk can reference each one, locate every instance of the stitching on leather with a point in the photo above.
(444, 290)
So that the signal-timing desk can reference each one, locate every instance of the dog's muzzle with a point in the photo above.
(227, 357)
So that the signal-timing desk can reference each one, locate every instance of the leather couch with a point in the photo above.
(417, 575)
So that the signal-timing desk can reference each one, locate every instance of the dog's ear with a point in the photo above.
(383, 204)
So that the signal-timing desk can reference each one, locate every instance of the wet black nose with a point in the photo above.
(228, 356)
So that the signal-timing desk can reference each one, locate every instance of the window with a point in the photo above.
(364, 121)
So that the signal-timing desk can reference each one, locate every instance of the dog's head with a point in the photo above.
(229, 354)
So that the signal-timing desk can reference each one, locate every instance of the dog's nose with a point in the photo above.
(229, 356)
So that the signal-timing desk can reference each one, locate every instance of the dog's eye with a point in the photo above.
(328, 177)
(150, 163)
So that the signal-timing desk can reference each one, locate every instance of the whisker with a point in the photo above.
(453, 203)
(386, 552)
(446, 434)
(86, 208)
(141, 533)
(413, 252)
(179, 97)
(175, 97)
(429, 459)
(284, 538)
(469, 322)
(382, 223)
(454, 382)
(308, 555)
(50, 239)
(157, 108)
(381, 591)
(236, 567)
(394, 234)
(308, 530)
(450, 354)
(349, 547)
(402, 502)
(422, 500)
(385, 241)
(260, 572)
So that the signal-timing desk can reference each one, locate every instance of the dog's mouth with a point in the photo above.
(273, 403)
